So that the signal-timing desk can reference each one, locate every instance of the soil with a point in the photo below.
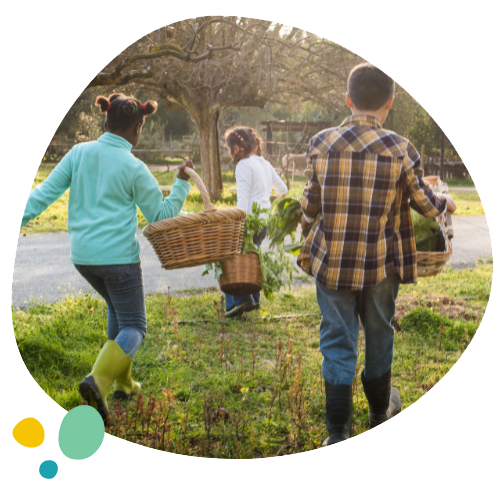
(446, 306)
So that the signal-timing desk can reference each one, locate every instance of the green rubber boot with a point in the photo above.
(111, 363)
(124, 386)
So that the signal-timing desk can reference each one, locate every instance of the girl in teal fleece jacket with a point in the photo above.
(107, 183)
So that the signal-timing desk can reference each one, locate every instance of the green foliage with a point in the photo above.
(209, 267)
(430, 324)
(162, 161)
(468, 203)
(470, 284)
(83, 121)
(177, 121)
(253, 224)
(423, 130)
(459, 182)
(428, 236)
(276, 268)
(284, 219)
(265, 374)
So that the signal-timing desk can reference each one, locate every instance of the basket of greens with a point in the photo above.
(433, 242)
(255, 269)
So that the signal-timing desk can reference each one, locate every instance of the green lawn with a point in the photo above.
(459, 182)
(54, 218)
(248, 388)
(468, 203)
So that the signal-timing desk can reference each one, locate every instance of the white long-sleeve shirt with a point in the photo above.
(255, 178)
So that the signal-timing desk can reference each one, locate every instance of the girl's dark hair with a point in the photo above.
(247, 141)
(369, 88)
(124, 112)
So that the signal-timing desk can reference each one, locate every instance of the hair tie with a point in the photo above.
(144, 106)
(109, 106)
(239, 136)
(134, 109)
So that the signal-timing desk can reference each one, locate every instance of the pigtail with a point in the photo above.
(240, 155)
(259, 141)
(102, 103)
(114, 96)
(149, 107)
(259, 150)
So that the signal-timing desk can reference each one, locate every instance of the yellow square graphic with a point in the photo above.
(28, 432)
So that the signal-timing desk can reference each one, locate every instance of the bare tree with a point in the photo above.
(206, 64)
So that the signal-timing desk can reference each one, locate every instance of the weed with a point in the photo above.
(242, 388)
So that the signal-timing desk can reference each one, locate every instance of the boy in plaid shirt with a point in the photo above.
(362, 181)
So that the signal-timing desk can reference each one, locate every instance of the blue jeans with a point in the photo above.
(339, 329)
(232, 301)
(121, 286)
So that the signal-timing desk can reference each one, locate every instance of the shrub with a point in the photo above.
(432, 325)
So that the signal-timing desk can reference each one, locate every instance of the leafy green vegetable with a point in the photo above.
(284, 219)
(209, 267)
(428, 236)
(293, 249)
(253, 223)
(276, 267)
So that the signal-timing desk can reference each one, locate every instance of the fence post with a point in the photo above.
(269, 139)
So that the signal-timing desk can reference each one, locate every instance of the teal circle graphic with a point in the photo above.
(48, 469)
(81, 433)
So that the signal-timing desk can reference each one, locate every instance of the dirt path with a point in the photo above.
(43, 269)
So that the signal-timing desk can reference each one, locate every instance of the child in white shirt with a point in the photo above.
(255, 178)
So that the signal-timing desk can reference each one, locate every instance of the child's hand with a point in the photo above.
(181, 168)
(304, 223)
(450, 203)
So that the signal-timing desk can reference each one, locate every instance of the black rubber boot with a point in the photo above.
(384, 401)
(338, 412)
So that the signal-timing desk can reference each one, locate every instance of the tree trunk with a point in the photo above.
(209, 151)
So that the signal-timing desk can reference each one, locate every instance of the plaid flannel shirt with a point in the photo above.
(362, 180)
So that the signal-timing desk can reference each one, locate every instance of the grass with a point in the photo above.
(468, 203)
(244, 389)
(54, 218)
(459, 182)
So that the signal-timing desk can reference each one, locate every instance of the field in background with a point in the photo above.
(54, 218)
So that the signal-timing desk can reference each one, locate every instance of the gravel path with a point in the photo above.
(43, 270)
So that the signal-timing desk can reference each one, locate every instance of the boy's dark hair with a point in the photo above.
(369, 88)
(124, 111)
(247, 141)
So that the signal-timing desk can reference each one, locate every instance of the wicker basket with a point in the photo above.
(432, 263)
(241, 275)
(197, 239)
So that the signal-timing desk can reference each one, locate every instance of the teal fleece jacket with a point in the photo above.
(107, 183)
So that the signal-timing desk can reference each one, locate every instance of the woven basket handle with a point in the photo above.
(201, 187)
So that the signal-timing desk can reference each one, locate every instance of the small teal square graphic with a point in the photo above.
(48, 469)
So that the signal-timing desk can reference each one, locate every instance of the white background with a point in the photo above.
(448, 55)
